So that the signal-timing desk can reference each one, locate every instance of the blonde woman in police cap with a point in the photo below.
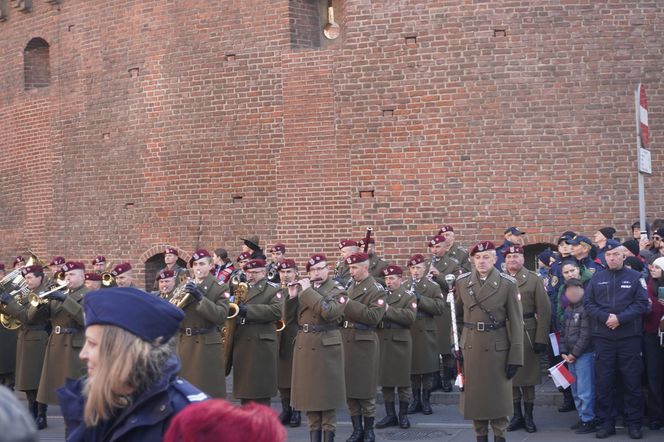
(132, 390)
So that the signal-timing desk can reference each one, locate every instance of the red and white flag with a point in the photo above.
(561, 375)
(555, 343)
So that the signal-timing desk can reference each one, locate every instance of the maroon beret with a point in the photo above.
(94, 276)
(166, 273)
(2, 267)
(254, 264)
(356, 258)
(171, 250)
(31, 269)
(392, 270)
(361, 242)
(513, 249)
(482, 247)
(19, 259)
(199, 254)
(436, 240)
(446, 228)
(57, 261)
(347, 243)
(243, 256)
(121, 268)
(287, 264)
(315, 259)
(278, 247)
(73, 265)
(418, 258)
(98, 259)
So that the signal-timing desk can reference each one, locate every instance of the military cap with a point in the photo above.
(608, 232)
(574, 282)
(98, 259)
(36, 268)
(566, 237)
(171, 250)
(436, 240)
(613, 244)
(631, 244)
(121, 268)
(361, 242)
(315, 259)
(417, 258)
(392, 270)
(92, 276)
(347, 243)
(482, 247)
(199, 254)
(254, 264)
(251, 242)
(580, 239)
(18, 260)
(357, 258)
(146, 316)
(513, 249)
(57, 261)
(73, 265)
(165, 274)
(634, 263)
(287, 263)
(446, 228)
(243, 256)
(278, 247)
(545, 256)
(514, 231)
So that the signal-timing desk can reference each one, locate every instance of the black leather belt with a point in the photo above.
(196, 331)
(528, 315)
(421, 315)
(356, 325)
(316, 328)
(65, 330)
(483, 326)
(389, 324)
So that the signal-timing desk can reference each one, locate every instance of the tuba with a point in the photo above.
(239, 289)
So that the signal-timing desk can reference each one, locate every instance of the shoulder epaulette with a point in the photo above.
(508, 277)
(463, 275)
(190, 392)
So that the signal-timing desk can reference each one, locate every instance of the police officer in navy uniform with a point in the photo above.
(513, 237)
(616, 299)
(582, 248)
(600, 238)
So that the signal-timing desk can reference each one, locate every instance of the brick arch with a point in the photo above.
(36, 64)
(159, 248)
(150, 268)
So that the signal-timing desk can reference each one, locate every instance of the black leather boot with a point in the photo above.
(390, 419)
(358, 433)
(403, 415)
(296, 418)
(529, 424)
(328, 436)
(369, 435)
(436, 381)
(315, 436)
(41, 416)
(498, 439)
(482, 438)
(448, 376)
(516, 423)
(426, 403)
(416, 405)
(568, 401)
(286, 411)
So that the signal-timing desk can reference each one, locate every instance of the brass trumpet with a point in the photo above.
(36, 299)
(107, 279)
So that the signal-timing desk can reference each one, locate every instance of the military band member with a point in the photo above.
(376, 263)
(171, 255)
(99, 264)
(536, 320)
(55, 265)
(223, 267)
(199, 343)
(396, 347)
(3, 270)
(288, 275)
(489, 308)
(513, 236)
(64, 309)
(166, 281)
(92, 281)
(31, 343)
(123, 274)
(8, 360)
(318, 385)
(277, 254)
(364, 310)
(242, 259)
(19, 262)
(341, 272)
(455, 250)
(255, 338)
(251, 245)
(430, 303)
(441, 264)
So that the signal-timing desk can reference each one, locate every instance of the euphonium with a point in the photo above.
(180, 297)
(15, 284)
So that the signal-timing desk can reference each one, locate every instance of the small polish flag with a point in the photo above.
(555, 343)
(561, 375)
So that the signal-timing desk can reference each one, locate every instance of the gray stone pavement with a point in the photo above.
(445, 424)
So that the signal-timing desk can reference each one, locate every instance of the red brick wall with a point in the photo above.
(193, 123)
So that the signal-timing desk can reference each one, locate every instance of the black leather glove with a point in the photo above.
(243, 310)
(5, 297)
(511, 370)
(57, 295)
(539, 348)
(193, 290)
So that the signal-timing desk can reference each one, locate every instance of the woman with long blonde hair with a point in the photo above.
(131, 391)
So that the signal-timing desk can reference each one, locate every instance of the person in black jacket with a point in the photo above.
(616, 299)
